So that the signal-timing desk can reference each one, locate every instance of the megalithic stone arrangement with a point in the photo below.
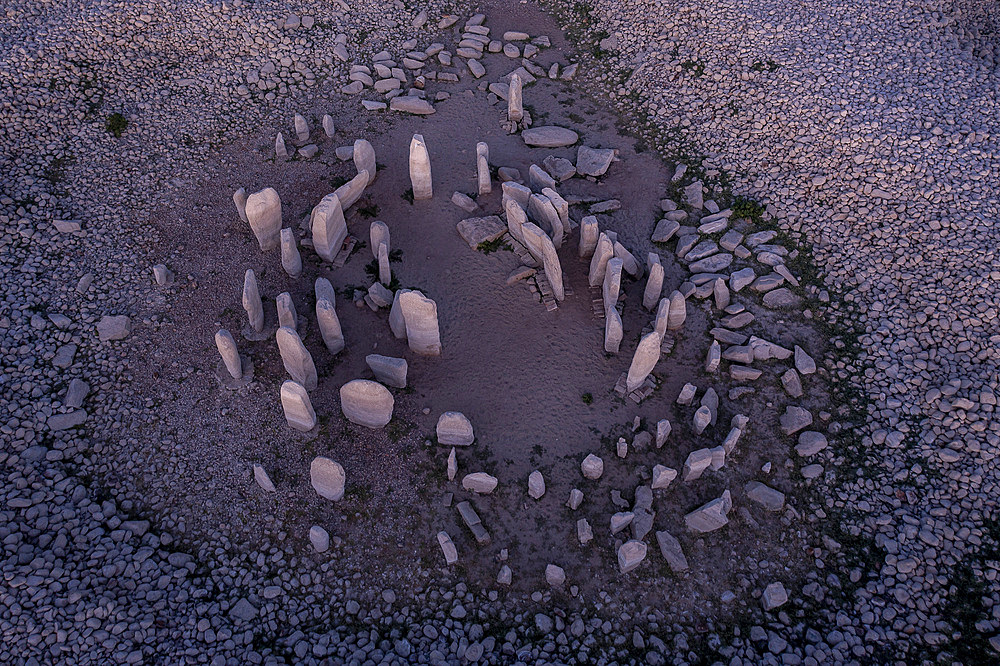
(396, 322)
(646, 356)
(297, 406)
(516, 218)
(286, 311)
(654, 285)
(483, 168)
(230, 355)
(612, 287)
(678, 311)
(384, 270)
(515, 104)
(420, 169)
(329, 326)
(296, 358)
(351, 191)
(301, 128)
(541, 248)
(251, 301)
(364, 159)
(589, 233)
(291, 260)
(240, 199)
(263, 211)
(378, 233)
(328, 226)
(603, 253)
(366, 403)
(421, 318)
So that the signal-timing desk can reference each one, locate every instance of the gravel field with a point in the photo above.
(865, 131)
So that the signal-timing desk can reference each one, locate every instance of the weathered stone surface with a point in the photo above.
(411, 104)
(712, 264)
(515, 105)
(774, 596)
(654, 284)
(327, 477)
(694, 195)
(592, 467)
(388, 370)
(378, 233)
(678, 311)
(329, 326)
(804, 362)
(536, 485)
(447, 548)
(420, 316)
(319, 538)
(464, 201)
(286, 311)
(454, 429)
(549, 136)
(476, 230)
(251, 301)
(364, 158)
(794, 419)
(485, 185)
(291, 260)
(810, 443)
(114, 327)
(280, 150)
(297, 406)
(555, 575)
(559, 168)
(420, 168)
(665, 230)
(629, 263)
(76, 393)
(541, 247)
(663, 476)
(702, 419)
(696, 464)
(672, 552)
(263, 210)
(541, 210)
(516, 218)
(584, 532)
(621, 520)
(366, 403)
(240, 200)
(611, 289)
(630, 555)
(262, 479)
(589, 233)
(593, 161)
(351, 191)
(603, 253)
(230, 356)
(613, 331)
(58, 422)
(647, 355)
(296, 358)
(479, 482)
(662, 432)
(781, 299)
(766, 496)
(710, 516)
(714, 357)
(328, 226)
(575, 499)
(791, 383)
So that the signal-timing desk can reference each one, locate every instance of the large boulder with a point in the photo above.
(327, 477)
(454, 429)
(366, 403)
(549, 136)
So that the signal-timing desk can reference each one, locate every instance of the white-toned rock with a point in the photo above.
(364, 159)
(296, 358)
(555, 575)
(327, 478)
(589, 234)
(328, 226)
(421, 320)
(329, 326)
(291, 260)
(696, 464)
(714, 357)
(654, 284)
(593, 161)
(613, 331)
(646, 356)
(485, 185)
(454, 429)
(328, 126)
(592, 467)
(230, 356)
(251, 301)
(536, 485)
(710, 516)
(575, 499)
(549, 136)
(366, 403)
(280, 150)
(447, 548)
(630, 555)
(515, 105)
(378, 233)
(804, 362)
(603, 253)
(611, 289)
(420, 169)
(286, 311)
(452, 466)
(297, 406)
(584, 532)
(662, 476)
(262, 479)
(240, 200)
(480, 483)
(388, 370)
(319, 538)
(702, 419)
(678, 311)
(671, 550)
(351, 191)
(542, 249)
(301, 128)
(263, 211)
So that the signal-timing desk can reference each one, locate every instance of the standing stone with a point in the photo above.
(301, 128)
(662, 476)
(536, 485)
(364, 159)
(279, 146)
(286, 311)
(589, 234)
(396, 322)
(630, 555)
(613, 331)
(366, 403)
(721, 293)
(351, 191)
(328, 226)
(318, 537)
(662, 315)
(454, 429)
(263, 211)
(240, 199)
(560, 205)
(420, 169)
(542, 211)
(678, 311)
(420, 316)
(230, 356)
(517, 192)
(251, 301)
(516, 218)
(291, 260)
(592, 467)
(629, 262)
(603, 253)
(327, 478)
(714, 357)
(329, 326)
(296, 358)
(541, 247)
(328, 125)
(483, 168)
(611, 289)
(654, 285)
(702, 419)
(448, 548)
(378, 233)
(515, 105)
(662, 432)
(324, 289)
(298, 409)
(384, 270)
(388, 370)
(647, 355)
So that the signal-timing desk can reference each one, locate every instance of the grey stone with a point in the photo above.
(672, 552)
(263, 210)
(329, 326)
(297, 406)
(593, 161)
(536, 485)
(766, 496)
(328, 227)
(592, 467)
(662, 476)
(454, 429)
(774, 596)
(366, 403)
(647, 355)
(262, 479)
(327, 478)
(230, 356)
(541, 247)
(476, 230)
(420, 316)
(480, 483)
(58, 422)
(630, 555)
(420, 168)
(388, 370)
(549, 136)
(319, 538)
(75, 394)
(364, 158)
(114, 327)
(411, 104)
(810, 443)
(710, 516)
(296, 358)
(794, 419)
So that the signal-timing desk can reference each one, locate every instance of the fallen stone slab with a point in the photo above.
(710, 516)
(114, 327)
(411, 104)
(794, 419)
(630, 555)
(766, 496)
(549, 136)
(73, 419)
(672, 552)
(388, 370)
(327, 478)
(447, 548)
(593, 161)
(810, 443)
(477, 230)
(480, 483)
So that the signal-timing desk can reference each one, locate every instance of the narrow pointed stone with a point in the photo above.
(297, 407)
(286, 311)
(296, 358)
(364, 158)
(328, 125)
(251, 301)
(329, 326)
(378, 233)
(721, 293)
(263, 211)
(329, 228)
(647, 355)
(420, 169)
(654, 285)
(384, 271)
(603, 253)
(240, 199)
(483, 168)
(541, 247)
(301, 128)
(291, 260)
(230, 355)
(515, 105)
(324, 289)
(279, 146)
(611, 289)
(420, 315)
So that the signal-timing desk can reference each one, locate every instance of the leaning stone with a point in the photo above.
(328, 226)
(774, 596)
(654, 285)
(448, 548)
(351, 191)
(662, 432)
(263, 211)
(378, 233)
(766, 496)
(611, 289)
(559, 168)
(647, 355)
(420, 316)
(603, 253)
(319, 538)
(541, 247)
(710, 516)
(549, 136)
(114, 327)
(230, 356)
(388, 370)
(696, 464)
(240, 200)
(420, 168)
(662, 476)
(298, 409)
(286, 311)
(327, 478)
(721, 294)
(629, 262)
(702, 419)
(536, 485)
(794, 419)
(301, 127)
(410, 104)
(328, 127)
(454, 429)
(516, 219)
(296, 358)
(504, 577)
(280, 149)
(464, 202)
(630, 555)
(672, 552)
(678, 311)
(714, 357)
(329, 326)
(291, 260)
(480, 483)
(686, 396)
(810, 443)
(592, 467)
(251, 301)
(613, 331)
(366, 403)
(396, 322)
(262, 479)
(364, 158)
(593, 161)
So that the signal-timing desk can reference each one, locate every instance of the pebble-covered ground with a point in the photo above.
(865, 130)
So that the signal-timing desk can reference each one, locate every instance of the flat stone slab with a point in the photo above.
(476, 230)
(66, 421)
(549, 136)
(766, 496)
(411, 104)
(114, 327)
(672, 552)
(781, 299)
(665, 230)
(593, 161)
(480, 483)
(388, 369)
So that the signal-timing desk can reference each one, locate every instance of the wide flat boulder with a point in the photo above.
(549, 136)
(476, 230)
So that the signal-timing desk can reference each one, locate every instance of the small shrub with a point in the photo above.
(408, 195)
(486, 247)
(116, 124)
(588, 398)
(368, 211)
(748, 209)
